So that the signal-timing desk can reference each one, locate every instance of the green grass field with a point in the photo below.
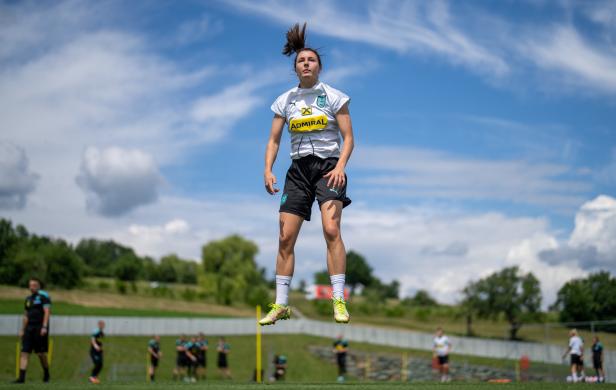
(125, 359)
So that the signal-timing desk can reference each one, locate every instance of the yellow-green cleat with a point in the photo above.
(341, 315)
(277, 312)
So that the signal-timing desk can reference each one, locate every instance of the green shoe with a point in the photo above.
(277, 312)
(341, 315)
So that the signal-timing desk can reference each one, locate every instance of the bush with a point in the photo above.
(189, 294)
(120, 286)
(423, 313)
(258, 295)
(395, 311)
(103, 285)
(161, 291)
(323, 307)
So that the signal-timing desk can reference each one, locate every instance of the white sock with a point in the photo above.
(282, 289)
(337, 285)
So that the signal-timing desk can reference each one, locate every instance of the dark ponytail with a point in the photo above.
(296, 42)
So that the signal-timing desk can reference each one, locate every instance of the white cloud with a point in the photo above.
(117, 180)
(580, 63)
(197, 29)
(81, 84)
(471, 36)
(16, 179)
(595, 224)
(401, 26)
(416, 172)
(175, 236)
(219, 112)
(592, 244)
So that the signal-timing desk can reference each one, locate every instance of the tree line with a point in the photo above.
(228, 271)
(229, 274)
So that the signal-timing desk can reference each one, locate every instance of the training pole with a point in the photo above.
(50, 353)
(404, 368)
(258, 373)
(17, 360)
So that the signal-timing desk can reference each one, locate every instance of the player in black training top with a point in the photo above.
(181, 360)
(155, 355)
(341, 347)
(192, 352)
(96, 351)
(223, 349)
(597, 358)
(202, 356)
(34, 332)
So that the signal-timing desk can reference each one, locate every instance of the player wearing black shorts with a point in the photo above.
(341, 347)
(318, 121)
(280, 368)
(192, 352)
(202, 356)
(181, 360)
(441, 346)
(223, 350)
(34, 332)
(155, 355)
(96, 351)
(597, 358)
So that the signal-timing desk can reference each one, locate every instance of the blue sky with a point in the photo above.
(485, 131)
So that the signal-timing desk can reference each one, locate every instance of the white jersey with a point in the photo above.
(310, 114)
(442, 345)
(576, 344)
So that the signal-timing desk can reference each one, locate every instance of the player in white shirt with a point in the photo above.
(440, 350)
(576, 351)
(317, 117)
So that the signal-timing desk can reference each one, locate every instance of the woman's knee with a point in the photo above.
(286, 241)
(331, 231)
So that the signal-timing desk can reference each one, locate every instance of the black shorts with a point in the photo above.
(96, 356)
(576, 359)
(305, 182)
(154, 361)
(597, 364)
(181, 361)
(33, 341)
(222, 361)
(443, 360)
(201, 361)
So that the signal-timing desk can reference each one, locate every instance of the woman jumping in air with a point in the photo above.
(316, 115)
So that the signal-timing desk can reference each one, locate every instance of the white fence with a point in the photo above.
(144, 326)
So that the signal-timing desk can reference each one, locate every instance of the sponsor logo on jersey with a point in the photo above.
(307, 111)
(308, 124)
(321, 101)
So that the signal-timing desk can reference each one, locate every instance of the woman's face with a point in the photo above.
(307, 66)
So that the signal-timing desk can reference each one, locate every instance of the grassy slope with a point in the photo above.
(457, 326)
(14, 306)
(82, 302)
